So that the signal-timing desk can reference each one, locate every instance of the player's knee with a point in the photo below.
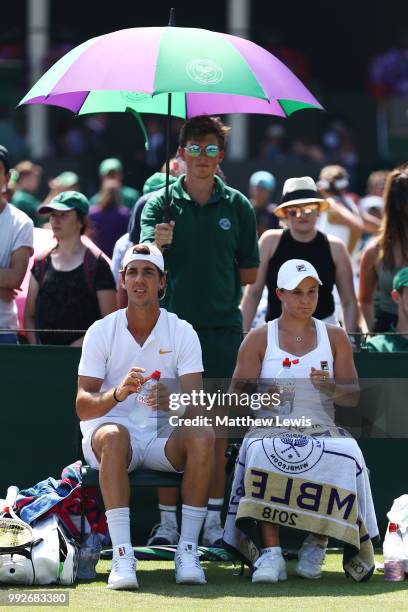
(115, 442)
(201, 443)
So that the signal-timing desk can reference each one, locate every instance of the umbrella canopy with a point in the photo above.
(206, 72)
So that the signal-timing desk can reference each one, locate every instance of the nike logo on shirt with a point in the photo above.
(163, 352)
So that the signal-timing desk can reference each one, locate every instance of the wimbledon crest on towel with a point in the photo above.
(205, 71)
(293, 453)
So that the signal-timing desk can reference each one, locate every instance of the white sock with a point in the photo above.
(214, 508)
(275, 551)
(192, 519)
(168, 514)
(119, 526)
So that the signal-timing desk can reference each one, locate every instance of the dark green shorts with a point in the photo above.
(220, 349)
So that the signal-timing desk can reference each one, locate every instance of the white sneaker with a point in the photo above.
(311, 557)
(269, 568)
(212, 534)
(123, 572)
(188, 568)
(163, 534)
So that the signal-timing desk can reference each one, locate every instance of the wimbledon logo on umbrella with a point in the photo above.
(132, 96)
(204, 71)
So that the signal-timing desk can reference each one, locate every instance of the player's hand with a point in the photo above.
(321, 381)
(159, 397)
(130, 384)
(163, 234)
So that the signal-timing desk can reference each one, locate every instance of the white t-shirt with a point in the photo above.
(16, 231)
(109, 351)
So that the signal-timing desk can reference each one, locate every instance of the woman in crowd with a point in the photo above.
(386, 254)
(71, 286)
(300, 208)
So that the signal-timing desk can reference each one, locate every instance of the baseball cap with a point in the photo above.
(111, 164)
(293, 271)
(400, 279)
(5, 158)
(66, 200)
(263, 179)
(155, 256)
(157, 181)
(68, 179)
(371, 201)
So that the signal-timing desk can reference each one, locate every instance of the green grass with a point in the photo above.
(226, 592)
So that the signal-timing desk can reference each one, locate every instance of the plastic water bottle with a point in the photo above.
(141, 412)
(286, 383)
(89, 554)
(393, 551)
(404, 537)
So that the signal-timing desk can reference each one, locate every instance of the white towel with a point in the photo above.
(316, 483)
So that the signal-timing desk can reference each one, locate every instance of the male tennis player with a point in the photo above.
(118, 351)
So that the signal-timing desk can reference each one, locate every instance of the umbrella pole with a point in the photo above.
(166, 207)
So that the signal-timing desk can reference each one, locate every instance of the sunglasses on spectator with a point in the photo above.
(307, 210)
(211, 150)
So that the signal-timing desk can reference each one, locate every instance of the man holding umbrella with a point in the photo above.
(211, 251)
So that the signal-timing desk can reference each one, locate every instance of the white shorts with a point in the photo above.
(148, 445)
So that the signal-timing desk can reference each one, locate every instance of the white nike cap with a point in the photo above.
(154, 256)
(293, 271)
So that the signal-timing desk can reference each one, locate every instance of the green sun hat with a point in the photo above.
(66, 200)
(156, 182)
(112, 164)
(400, 279)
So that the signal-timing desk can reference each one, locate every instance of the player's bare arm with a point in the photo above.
(91, 403)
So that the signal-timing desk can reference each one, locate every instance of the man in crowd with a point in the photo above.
(261, 188)
(28, 177)
(112, 169)
(16, 247)
(118, 351)
(399, 341)
(212, 251)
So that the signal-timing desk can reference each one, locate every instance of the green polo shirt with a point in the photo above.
(387, 344)
(25, 201)
(210, 244)
(128, 194)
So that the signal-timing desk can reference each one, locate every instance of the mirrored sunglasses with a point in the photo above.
(298, 211)
(195, 150)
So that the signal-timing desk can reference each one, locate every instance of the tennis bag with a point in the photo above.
(51, 558)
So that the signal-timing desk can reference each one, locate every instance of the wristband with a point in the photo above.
(114, 396)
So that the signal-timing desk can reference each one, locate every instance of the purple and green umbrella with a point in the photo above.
(206, 72)
(181, 72)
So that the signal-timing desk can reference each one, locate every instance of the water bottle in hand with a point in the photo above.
(141, 412)
(286, 384)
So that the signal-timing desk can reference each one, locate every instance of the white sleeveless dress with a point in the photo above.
(308, 401)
